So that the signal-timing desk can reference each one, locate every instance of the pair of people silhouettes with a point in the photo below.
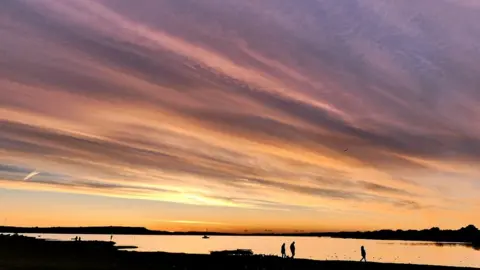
(292, 250)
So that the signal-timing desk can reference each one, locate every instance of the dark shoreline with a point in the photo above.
(22, 253)
(468, 235)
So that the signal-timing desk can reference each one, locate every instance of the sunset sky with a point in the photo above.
(229, 115)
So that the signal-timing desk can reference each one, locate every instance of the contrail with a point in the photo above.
(30, 175)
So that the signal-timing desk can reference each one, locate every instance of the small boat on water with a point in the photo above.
(205, 236)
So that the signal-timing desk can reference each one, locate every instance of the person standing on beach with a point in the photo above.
(364, 254)
(292, 249)
(284, 254)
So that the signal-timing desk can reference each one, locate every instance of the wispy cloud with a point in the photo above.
(245, 104)
(194, 222)
(30, 175)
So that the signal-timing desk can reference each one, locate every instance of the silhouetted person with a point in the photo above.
(292, 249)
(284, 254)
(364, 254)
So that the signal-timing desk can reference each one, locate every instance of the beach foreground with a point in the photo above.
(30, 253)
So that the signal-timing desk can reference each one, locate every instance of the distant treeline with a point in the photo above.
(469, 234)
(76, 230)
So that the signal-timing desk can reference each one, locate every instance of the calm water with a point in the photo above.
(307, 247)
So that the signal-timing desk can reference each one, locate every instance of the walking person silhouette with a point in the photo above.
(364, 254)
(284, 254)
(292, 249)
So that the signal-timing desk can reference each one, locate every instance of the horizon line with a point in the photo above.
(237, 232)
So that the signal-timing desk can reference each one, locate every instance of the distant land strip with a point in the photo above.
(468, 234)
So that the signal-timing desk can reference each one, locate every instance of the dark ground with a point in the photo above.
(29, 253)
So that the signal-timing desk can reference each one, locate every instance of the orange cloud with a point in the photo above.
(244, 106)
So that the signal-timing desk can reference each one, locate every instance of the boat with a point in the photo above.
(205, 236)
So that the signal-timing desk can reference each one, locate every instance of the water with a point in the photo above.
(319, 248)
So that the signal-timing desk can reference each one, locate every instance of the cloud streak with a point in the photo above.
(246, 104)
(30, 175)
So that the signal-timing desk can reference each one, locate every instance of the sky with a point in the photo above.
(227, 115)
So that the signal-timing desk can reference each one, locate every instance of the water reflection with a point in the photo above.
(437, 244)
(319, 248)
